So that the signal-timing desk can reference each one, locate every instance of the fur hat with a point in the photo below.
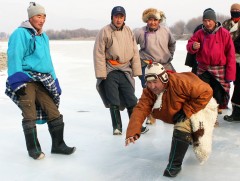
(235, 6)
(35, 9)
(209, 13)
(155, 71)
(152, 13)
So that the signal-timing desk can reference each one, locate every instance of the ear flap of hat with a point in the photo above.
(152, 13)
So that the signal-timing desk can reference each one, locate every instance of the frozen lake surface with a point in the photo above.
(100, 156)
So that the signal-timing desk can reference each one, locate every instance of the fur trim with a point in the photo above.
(202, 126)
(152, 13)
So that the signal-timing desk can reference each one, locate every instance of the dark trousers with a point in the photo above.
(118, 87)
(236, 92)
(36, 94)
(218, 92)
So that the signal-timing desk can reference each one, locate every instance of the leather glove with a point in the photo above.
(21, 91)
(180, 116)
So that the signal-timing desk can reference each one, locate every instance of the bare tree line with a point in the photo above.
(80, 33)
(180, 29)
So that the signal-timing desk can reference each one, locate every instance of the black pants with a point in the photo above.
(236, 92)
(218, 91)
(117, 87)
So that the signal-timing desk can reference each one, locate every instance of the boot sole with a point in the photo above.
(61, 153)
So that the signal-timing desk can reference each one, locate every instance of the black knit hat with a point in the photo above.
(209, 13)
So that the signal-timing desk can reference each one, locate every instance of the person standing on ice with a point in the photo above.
(116, 63)
(174, 99)
(215, 57)
(32, 83)
(233, 26)
(157, 44)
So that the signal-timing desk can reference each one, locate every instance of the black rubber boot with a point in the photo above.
(180, 143)
(116, 120)
(130, 110)
(32, 143)
(235, 116)
(56, 129)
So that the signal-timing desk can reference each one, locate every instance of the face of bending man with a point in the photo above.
(156, 86)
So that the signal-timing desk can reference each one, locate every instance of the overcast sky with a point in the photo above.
(94, 14)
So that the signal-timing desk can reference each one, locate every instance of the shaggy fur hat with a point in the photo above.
(235, 6)
(209, 13)
(35, 9)
(152, 13)
(155, 71)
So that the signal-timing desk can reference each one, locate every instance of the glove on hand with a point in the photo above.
(180, 116)
(21, 91)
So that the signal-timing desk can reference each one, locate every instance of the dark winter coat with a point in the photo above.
(228, 24)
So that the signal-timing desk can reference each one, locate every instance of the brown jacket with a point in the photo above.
(183, 91)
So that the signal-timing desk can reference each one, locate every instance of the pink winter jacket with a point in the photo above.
(216, 49)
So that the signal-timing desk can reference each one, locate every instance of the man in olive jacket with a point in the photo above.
(174, 99)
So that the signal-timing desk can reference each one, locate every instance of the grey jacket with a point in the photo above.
(158, 46)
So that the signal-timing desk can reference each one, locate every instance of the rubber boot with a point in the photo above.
(235, 116)
(116, 120)
(56, 129)
(144, 129)
(130, 110)
(180, 143)
(32, 143)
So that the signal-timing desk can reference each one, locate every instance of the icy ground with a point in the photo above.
(100, 156)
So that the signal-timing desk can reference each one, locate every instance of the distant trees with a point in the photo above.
(182, 30)
(80, 33)
(3, 36)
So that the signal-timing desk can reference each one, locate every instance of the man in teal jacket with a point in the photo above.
(32, 82)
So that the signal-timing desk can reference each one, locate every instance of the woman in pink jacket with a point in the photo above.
(215, 56)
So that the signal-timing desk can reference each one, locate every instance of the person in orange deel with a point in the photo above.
(175, 99)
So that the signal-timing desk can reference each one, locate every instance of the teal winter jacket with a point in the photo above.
(28, 52)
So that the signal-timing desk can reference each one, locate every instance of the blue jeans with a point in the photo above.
(141, 77)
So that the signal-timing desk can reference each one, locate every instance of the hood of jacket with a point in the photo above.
(218, 25)
(27, 24)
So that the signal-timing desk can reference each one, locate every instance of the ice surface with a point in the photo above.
(100, 156)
